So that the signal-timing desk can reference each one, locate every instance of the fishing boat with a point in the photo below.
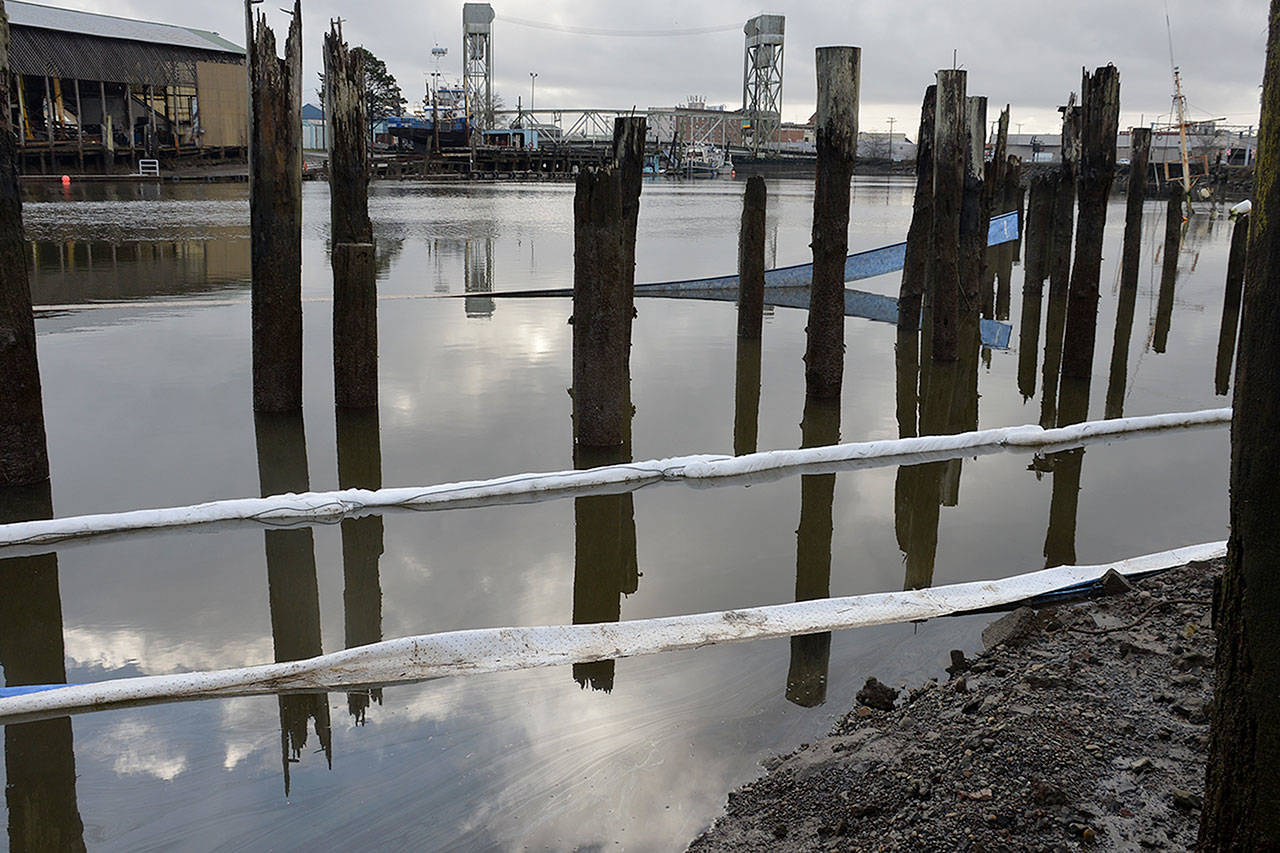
(701, 161)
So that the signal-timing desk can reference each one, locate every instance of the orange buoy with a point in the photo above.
(66, 179)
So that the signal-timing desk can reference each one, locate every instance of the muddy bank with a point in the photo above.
(1082, 726)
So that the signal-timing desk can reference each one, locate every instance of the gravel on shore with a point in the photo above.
(1083, 726)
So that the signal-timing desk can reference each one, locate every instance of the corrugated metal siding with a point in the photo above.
(108, 26)
(43, 52)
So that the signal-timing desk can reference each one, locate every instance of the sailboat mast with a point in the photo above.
(1180, 104)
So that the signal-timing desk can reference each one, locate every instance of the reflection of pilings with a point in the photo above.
(1060, 538)
(360, 467)
(604, 559)
(293, 592)
(1004, 274)
(746, 397)
(810, 653)
(1174, 228)
(1064, 199)
(39, 758)
(1039, 241)
(477, 269)
(1140, 147)
(1231, 304)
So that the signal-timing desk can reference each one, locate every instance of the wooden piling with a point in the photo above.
(915, 265)
(1100, 97)
(950, 137)
(1241, 785)
(837, 131)
(1236, 258)
(275, 216)
(601, 310)
(24, 456)
(746, 397)
(1174, 225)
(1039, 239)
(751, 260)
(1064, 199)
(1140, 150)
(628, 159)
(974, 203)
(355, 298)
(993, 199)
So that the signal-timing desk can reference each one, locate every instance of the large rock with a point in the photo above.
(1010, 629)
(876, 695)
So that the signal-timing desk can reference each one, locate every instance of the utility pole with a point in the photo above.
(891, 121)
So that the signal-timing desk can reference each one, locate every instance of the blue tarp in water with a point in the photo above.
(788, 287)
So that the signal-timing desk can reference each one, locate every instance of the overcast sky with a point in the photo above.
(1028, 54)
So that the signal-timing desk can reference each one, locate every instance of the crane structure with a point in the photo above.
(762, 83)
(477, 64)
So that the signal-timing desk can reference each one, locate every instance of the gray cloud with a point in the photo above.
(1027, 54)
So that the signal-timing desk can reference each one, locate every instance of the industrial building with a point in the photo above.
(96, 92)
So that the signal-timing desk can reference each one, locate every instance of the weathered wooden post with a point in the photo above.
(950, 137)
(1064, 200)
(601, 310)
(993, 198)
(1231, 304)
(1100, 97)
(628, 159)
(746, 397)
(275, 216)
(355, 296)
(24, 455)
(1241, 786)
(1039, 237)
(751, 260)
(974, 203)
(1173, 229)
(838, 82)
(1117, 377)
(915, 265)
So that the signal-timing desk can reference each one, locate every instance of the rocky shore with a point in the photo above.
(1082, 726)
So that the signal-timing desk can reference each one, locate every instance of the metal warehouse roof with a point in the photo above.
(107, 26)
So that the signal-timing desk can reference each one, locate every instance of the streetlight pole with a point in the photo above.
(533, 75)
(891, 121)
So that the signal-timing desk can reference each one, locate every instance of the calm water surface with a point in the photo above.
(148, 403)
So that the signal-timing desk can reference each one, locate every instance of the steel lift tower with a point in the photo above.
(762, 84)
(477, 64)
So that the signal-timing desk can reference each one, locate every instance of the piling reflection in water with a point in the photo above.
(478, 277)
(360, 467)
(1175, 230)
(604, 559)
(811, 653)
(746, 397)
(294, 594)
(71, 272)
(39, 757)
(1066, 466)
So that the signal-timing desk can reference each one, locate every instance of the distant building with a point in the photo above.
(879, 145)
(88, 88)
(1035, 147)
(313, 129)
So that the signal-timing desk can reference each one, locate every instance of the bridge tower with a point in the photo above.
(477, 64)
(762, 84)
